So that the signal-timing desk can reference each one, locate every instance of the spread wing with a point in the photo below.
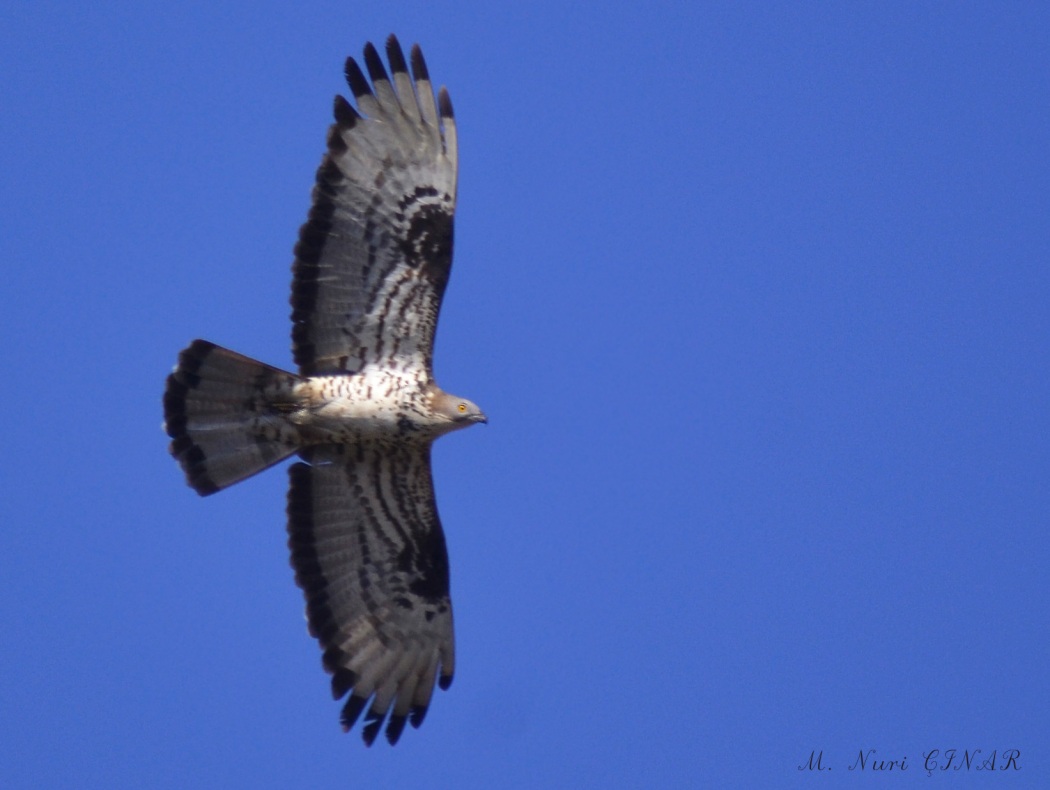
(374, 256)
(369, 553)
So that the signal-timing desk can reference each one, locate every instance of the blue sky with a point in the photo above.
(754, 295)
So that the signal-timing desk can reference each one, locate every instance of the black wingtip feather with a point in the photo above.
(419, 65)
(374, 64)
(395, 55)
(394, 728)
(416, 715)
(444, 103)
(352, 711)
(345, 115)
(342, 681)
(373, 724)
(444, 682)
(355, 78)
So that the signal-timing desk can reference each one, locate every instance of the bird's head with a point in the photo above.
(456, 412)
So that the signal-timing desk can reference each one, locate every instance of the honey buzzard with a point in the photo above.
(370, 269)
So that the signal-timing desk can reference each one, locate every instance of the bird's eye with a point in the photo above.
(462, 408)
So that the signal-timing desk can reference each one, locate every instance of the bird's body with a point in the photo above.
(371, 267)
(372, 404)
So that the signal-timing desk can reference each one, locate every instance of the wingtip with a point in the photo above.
(352, 711)
(419, 65)
(374, 64)
(345, 115)
(355, 79)
(445, 103)
(416, 715)
(394, 728)
(395, 55)
(343, 680)
(373, 724)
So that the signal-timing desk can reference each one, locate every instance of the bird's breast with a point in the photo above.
(343, 409)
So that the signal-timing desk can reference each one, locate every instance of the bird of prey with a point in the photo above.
(371, 266)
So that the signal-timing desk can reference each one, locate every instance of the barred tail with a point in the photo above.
(223, 412)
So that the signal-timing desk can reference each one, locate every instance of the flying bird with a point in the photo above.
(370, 270)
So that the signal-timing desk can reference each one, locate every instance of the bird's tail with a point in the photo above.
(224, 414)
